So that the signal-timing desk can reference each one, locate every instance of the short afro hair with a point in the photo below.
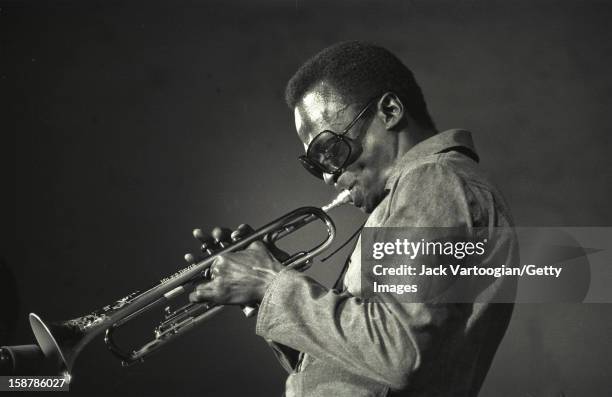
(359, 71)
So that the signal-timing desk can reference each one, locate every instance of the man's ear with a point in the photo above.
(391, 110)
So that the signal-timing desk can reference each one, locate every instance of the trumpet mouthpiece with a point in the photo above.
(343, 198)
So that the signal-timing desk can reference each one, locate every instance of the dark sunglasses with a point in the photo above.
(330, 152)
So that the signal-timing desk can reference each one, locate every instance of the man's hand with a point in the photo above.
(239, 278)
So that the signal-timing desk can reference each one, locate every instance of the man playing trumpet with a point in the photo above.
(365, 128)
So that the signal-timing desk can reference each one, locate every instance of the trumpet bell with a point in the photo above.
(59, 341)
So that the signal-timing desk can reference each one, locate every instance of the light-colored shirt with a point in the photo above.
(352, 348)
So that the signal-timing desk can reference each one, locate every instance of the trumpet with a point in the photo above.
(63, 341)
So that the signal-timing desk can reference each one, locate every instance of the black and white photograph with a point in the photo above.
(306, 198)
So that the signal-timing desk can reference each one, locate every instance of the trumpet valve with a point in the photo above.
(222, 237)
(189, 258)
(207, 241)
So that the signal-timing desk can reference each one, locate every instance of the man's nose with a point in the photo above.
(330, 179)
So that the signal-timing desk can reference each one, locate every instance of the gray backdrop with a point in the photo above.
(134, 123)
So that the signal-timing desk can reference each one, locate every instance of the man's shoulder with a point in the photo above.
(453, 175)
(437, 168)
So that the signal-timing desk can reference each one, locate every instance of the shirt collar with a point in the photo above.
(455, 139)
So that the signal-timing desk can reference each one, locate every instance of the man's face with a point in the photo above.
(367, 175)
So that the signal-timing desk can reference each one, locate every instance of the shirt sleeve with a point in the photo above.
(383, 341)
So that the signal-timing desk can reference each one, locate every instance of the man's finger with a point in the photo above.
(217, 266)
(221, 236)
(265, 270)
(257, 245)
(203, 292)
(208, 242)
(194, 297)
(241, 232)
